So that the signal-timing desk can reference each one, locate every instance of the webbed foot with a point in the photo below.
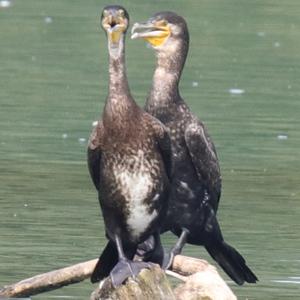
(126, 268)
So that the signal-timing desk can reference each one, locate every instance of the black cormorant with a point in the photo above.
(129, 156)
(196, 178)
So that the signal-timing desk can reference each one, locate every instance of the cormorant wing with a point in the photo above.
(164, 145)
(94, 154)
(205, 160)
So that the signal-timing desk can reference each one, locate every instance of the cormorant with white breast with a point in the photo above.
(129, 156)
(196, 178)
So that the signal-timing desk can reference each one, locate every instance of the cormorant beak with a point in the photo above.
(114, 24)
(155, 33)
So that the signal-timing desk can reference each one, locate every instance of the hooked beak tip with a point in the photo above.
(134, 35)
(134, 27)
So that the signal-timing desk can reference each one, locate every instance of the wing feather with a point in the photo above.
(94, 154)
(205, 160)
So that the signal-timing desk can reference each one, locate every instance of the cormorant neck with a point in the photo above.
(118, 83)
(165, 83)
(119, 101)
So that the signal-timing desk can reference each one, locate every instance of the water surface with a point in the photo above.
(241, 79)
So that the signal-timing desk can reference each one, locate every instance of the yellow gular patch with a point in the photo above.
(162, 35)
(157, 40)
(115, 36)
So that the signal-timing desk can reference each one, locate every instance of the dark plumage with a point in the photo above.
(196, 178)
(128, 158)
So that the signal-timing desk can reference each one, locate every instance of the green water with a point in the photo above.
(53, 81)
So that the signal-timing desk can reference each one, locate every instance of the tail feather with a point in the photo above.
(107, 260)
(231, 262)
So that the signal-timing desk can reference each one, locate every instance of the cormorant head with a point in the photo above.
(114, 21)
(165, 31)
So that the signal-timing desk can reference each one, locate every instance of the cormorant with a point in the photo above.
(129, 155)
(196, 179)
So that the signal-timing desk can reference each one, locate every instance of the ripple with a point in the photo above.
(282, 136)
(5, 3)
(48, 20)
(277, 45)
(236, 91)
(261, 34)
(82, 141)
(286, 281)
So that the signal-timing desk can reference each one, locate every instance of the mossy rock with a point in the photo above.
(150, 284)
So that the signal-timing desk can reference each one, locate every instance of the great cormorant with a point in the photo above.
(196, 178)
(129, 156)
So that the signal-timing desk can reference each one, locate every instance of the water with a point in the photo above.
(53, 83)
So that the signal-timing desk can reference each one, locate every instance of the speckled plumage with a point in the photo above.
(196, 178)
(131, 174)
(129, 161)
(194, 157)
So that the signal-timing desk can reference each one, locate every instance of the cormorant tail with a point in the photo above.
(231, 262)
(107, 260)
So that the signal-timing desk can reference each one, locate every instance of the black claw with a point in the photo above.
(168, 260)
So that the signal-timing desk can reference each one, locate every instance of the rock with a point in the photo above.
(150, 284)
(204, 285)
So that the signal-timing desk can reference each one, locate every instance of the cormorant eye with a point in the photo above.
(162, 23)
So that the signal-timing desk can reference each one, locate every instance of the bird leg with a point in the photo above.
(125, 267)
(176, 249)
